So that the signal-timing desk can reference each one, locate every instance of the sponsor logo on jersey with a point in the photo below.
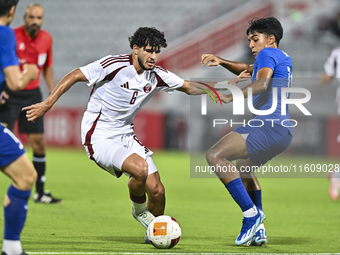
(125, 85)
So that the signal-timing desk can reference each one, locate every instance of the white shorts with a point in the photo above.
(110, 153)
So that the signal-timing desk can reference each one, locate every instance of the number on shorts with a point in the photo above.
(14, 138)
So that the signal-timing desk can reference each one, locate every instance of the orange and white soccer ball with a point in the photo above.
(164, 232)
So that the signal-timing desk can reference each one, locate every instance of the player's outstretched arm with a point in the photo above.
(195, 87)
(258, 86)
(232, 66)
(37, 110)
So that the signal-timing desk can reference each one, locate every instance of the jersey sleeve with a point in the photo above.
(168, 81)
(95, 72)
(265, 58)
(329, 66)
(8, 55)
(49, 59)
(105, 68)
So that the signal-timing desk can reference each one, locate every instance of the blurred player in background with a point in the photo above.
(254, 146)
(122, 84)
(34, 45)
(332, 70)
(13, 160)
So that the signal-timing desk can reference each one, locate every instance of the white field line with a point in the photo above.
(168, 253)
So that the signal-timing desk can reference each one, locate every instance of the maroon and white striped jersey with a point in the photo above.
(332, 64)
(119, 93)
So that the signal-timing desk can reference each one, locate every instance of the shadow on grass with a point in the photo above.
(290, 240)
(120, 239)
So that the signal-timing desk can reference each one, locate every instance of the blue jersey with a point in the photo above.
(281, 64)
(8, 55)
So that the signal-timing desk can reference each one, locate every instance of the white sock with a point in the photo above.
(12, 247)
(261, 226)
(250, 212)
(138, 208)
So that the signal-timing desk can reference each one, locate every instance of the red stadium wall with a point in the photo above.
(62, 128)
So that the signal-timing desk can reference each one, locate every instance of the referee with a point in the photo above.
(34, 46)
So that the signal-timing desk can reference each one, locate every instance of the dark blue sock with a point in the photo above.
(239, 194)
(15, 213)
(256, 197)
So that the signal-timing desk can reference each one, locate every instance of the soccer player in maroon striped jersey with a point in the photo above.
(122, 84)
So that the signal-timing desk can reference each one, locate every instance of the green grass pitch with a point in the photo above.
(95, 217)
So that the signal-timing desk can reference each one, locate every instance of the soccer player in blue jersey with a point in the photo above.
(254, 146)
(13, 160)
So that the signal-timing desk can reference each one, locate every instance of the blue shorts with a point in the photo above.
(10, 147)
(264, 143)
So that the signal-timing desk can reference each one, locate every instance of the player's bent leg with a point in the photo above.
(156, 194)
(251, 184)
(229, 148)
(120, 159)
(249, 180)
(23, 174)
(137, 167)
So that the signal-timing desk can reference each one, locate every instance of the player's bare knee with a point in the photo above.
(27, 180)
(211, 156)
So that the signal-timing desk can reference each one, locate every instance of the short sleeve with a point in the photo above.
(168, 81)
(49, 60)
(105, 68)
(94, 72)
(8, 55)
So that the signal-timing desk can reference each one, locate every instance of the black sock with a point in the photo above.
(39, 162)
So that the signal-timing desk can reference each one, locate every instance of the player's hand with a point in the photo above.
(31, 70)
(3, 97)
(324, 79)
(211, 59)
(243, 76)
(224, 98)
(35, 111)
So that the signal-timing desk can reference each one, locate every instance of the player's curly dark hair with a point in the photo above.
(6, 5)
(268, 26)
(148, 35)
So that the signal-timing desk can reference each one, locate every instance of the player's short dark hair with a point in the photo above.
(6, 5)
(268, 26)
(148, 35)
